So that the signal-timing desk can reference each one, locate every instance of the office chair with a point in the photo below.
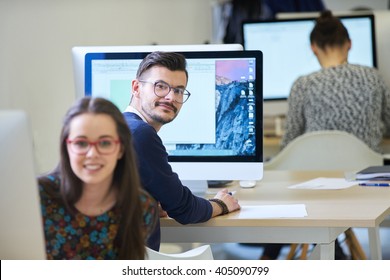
(326, 150)
(200, 253)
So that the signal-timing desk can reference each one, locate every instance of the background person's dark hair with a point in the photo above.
(126, 178)
(329, 31)
(172, 61)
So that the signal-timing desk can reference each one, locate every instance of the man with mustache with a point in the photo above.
(158, 93)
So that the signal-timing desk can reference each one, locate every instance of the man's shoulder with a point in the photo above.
(131, 117)
(135, 122)
(140, 130)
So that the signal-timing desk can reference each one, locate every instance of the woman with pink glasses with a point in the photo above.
(93, 205)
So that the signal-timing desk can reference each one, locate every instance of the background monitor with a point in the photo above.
(285, 44)
(218, 133)
(21, 234)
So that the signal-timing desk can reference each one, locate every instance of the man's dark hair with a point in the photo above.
(172, 61)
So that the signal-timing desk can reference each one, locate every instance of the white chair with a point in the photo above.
(326, 150)
(200, 253)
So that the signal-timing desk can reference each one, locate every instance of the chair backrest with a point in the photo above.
(325, 150)
(200, 253)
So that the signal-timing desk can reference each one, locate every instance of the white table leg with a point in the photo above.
(375, 243)
(323, 252)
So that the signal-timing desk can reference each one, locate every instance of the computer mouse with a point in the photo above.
(247, 183)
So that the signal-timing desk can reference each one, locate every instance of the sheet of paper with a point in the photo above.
(273, 211)
(325, 184)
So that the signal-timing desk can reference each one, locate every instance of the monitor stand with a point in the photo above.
(218, 184)
(197, 187)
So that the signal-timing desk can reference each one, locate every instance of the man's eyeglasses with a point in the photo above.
(162, 89)
(104, 146)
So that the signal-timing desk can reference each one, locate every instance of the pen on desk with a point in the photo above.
(375, 184)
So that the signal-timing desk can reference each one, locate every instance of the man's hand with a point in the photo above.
(161, 211)
(228, 199)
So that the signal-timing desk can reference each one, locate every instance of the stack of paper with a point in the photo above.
(324, 184)
(374, 173)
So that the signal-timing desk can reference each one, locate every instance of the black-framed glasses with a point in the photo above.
(162, 89)
(81, 146)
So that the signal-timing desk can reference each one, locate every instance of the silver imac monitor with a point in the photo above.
(218, 134)
(21, 234)
(285, 44)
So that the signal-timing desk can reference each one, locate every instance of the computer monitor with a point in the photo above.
(79, 52)
(285, 44)
(21, 234)
(218, 134)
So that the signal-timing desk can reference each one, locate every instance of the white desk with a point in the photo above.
(330, 213)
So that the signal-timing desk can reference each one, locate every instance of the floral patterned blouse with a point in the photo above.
(84, 237)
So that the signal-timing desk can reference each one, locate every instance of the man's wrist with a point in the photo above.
(225, 209)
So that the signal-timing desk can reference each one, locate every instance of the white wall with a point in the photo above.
(343, 5)
(382, 26)
(36, 37)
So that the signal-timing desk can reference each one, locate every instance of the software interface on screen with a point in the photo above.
(219, 120)
(287, 53)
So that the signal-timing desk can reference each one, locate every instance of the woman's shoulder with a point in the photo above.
(366, 70)
(147, 200)
(306, 81)
(150, 210)
(328, 74)
(51, 179)
(370, 75)
(149, 204)
(49, 185)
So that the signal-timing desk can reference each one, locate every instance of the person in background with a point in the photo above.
(158, 93)
(340, 96)
(93, 205)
